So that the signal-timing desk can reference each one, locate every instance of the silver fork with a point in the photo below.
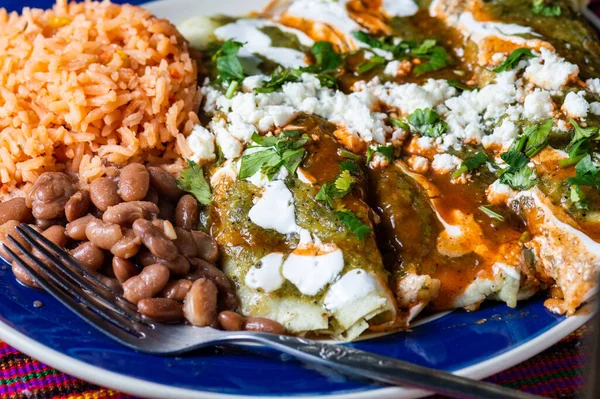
(117, 318)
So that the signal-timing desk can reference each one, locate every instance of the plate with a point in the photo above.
(475, 344)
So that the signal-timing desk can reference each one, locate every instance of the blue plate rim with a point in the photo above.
(135, 386)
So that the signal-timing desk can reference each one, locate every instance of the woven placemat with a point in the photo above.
(557, 372)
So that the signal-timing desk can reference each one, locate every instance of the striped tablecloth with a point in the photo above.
(558, 373)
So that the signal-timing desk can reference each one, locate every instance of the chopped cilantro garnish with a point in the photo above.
(488, 211)
(192, 180)
(340, 187)
(370, 64)
(353, 223)
(459, 85)
(227, 62)
(577, 196)
(545, 8)
(520, 179)
(471, 163)
(386, 150)
(400, 123)
(427, 122)
(326, 58)
(349, 166)
(513, 59)
(588, 174)
(537, 137)
(283, 150)
(349, 155)
(435, 57)
(278, 78)
(579, 146)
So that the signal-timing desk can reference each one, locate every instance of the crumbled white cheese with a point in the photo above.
(253, 82)
(595, 108)
(445, 163)
(575, 105)
(257, 42)
(549, 71)
(418, 164)
(499, 194)
(538, 105)
(593, 85)
(350, 287)
(400, 8)
(202, 145)
(275, 209)
(266, 274)
(356, 112)
(392, 68)
(502, 137)
(229, 145)
(311, 273)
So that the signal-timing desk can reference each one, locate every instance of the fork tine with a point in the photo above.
(105, 294)
(81, 296)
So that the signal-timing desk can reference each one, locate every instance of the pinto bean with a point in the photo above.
(126, 213)
(103, 234)
(260, 324)
(76, 228)
(231, 321)
(56, 234)
(49, 195)
(200, 304)
(227, 297)
(89, 256)
(179, 266)
(128, 246)
(104, 193)
(185, 243)
(161, 309)
(146, 284)
(155, 240)
(207, 247)
(176, 290)
(9, 229)
(134, 182)
(187, 213)
(15, 209)
(78, 205)
(124, 269)
(164, 183)
(24, 277)
(44, 224)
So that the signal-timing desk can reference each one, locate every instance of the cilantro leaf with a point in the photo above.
(192, 180)
(513, 59)
(577, 196)
(427, 122)
(370, 64)
(278, 78)
(579, 146)
(471, 163)
(399, 123)
(227, 62)
(459, 85)
(520, 179)
(344, 182)
(436, 56)
(514, 159)
(588, 174)
(350, 166)
(386, 150)
(327, 193)
(326, 58)
(488, 211)
(277, 151)
(353, 223)
(537, 137)
(545, 8)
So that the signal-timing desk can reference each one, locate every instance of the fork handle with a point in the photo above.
(382, 369)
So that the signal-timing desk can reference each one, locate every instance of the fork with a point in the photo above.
(92, 300)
